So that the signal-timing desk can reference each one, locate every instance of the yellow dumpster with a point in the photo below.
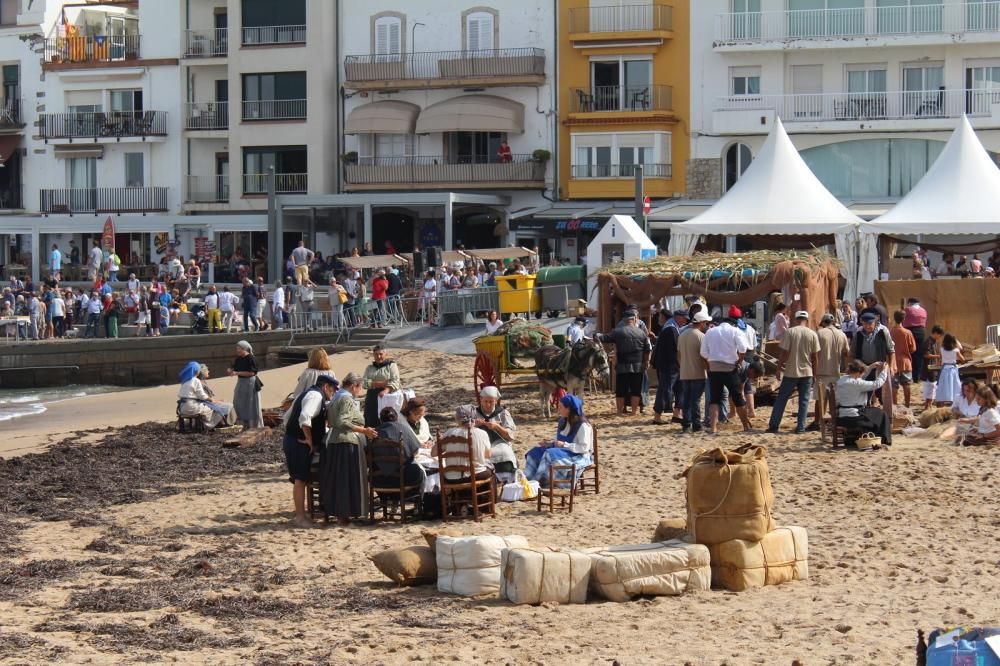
(517, 293)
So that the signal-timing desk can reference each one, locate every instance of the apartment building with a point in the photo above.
(449, 122)
(623, 102)
(868, 90)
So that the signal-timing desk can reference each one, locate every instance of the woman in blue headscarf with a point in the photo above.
(573, 445)
(195, 398)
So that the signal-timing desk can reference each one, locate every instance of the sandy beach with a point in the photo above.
(207, 570)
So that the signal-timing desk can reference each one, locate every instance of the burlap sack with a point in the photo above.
(782, 556)
(934, 415)
(431, 536)
(414, 565)
(729, 495)
(670, 528)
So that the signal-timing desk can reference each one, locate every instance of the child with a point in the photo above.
(949, 385)
(930, 352)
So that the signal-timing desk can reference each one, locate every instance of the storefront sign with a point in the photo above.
(548, 226)
(204, 249)
(578, 225)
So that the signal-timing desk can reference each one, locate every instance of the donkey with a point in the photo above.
(568, 369)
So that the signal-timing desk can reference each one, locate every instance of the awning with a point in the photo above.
(8, 144)
(386, 117)
(69, 152)
(447, 256)
(473, 113)
(374, 261)
(500, 253)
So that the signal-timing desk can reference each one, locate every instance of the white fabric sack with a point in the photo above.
(396, 400)
(536, 576)
(470, 566)
(619, 573)
(515, 491)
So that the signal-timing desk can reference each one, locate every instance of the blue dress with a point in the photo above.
(577, 450)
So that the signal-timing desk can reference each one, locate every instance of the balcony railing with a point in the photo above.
(621, 98)
(104, 200)
(264, 35)
(864, 22)
(621, 170)
(284, 183)
(621, 18)
(99, 49)
(10, 114)
(423, 169)
(898, 105)
(113, 125)
(207, 189)
(274, 109)
(494, 63)
(211, 43)
(207, 116)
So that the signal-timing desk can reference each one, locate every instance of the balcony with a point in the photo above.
(275, 109)
(621, 22)
(207, 190)
(10, 116)
(211, 43)
(104, 200)
(100, 126)
(446, 69)
(206, 116)
(428, 173)
(73, 52)
(902, 25)
(620, 171)
(284, 183)
(272, 35)
(919, 109)
(621, 98)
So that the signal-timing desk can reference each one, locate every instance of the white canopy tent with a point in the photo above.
(959, 194)
(777, 194)
(620, 239)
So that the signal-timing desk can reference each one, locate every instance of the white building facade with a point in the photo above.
(868, 90)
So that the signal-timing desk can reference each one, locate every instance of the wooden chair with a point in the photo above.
(190, 424)
(559, 489)
(590, 477)
(406, 500)
(837, 431)
(455, 458)
(313, 504)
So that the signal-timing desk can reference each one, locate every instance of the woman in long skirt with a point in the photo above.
(381, 377)
(344, 469)
(246, 396)
(949, 384)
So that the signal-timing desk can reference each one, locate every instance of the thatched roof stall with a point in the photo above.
(374, 261)
(737, 279)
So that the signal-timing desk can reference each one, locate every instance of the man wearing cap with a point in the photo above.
(692, 370)
(576, 330)
(797, 361)
(665, 361)
(872, 344)
(632, 351)
(832, 358)
(871, 301)
(305, 430)
(723, 347)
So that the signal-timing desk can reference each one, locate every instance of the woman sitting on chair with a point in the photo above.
(573, 445)
(987, 429)
(497, 423)
(195, 398)
(391, 429)
(853, 412)
(414, 410)
(465, 417)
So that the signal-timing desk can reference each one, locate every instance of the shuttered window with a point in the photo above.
(388, 35)
(479, 31)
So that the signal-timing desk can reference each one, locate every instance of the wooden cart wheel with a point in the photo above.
(484, 373)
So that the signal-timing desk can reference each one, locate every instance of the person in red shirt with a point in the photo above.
(905, 346)
(915, 321)
(380, 288)
(503, 152)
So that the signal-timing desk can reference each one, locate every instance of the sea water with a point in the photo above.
(19, 403)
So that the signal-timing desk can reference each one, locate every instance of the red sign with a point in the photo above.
(645, 206)
(108, 235)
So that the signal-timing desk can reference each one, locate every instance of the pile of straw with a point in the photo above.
(713, 265)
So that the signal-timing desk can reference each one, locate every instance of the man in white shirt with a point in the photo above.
(133, 283)
(576, 330)
(307, 296)
(93, 315)
(278, 305)
(723, 348)
(227, 308)
(212, 310)
(96, 259)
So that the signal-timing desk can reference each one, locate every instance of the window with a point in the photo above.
(273, 22)
(923, 90)
(290, 167)
(825, 18)
(8, 12)
(388, 35)
(473, 147)
(274, 96)
(126, 101)
(744, 80)
(736, 161)
(81, 177)
(866, 91)
(479, 31)
(616, 155)
(983, 85)
(621, 84)
(807, 90)
(872, 168)
(11, 84)
(744, 20)
(133, 170)
(906, 16)
(386, 149)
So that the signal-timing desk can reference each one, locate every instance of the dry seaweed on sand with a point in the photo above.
(9, 537)
(166, 634)
(19, 579)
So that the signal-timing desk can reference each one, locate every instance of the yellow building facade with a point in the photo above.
(624, 98)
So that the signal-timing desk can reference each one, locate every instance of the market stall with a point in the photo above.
(374, 262)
